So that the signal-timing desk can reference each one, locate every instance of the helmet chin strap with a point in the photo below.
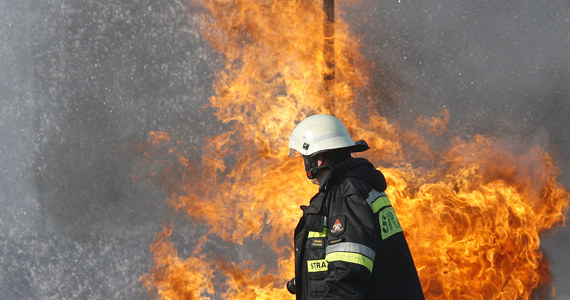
(312, 168)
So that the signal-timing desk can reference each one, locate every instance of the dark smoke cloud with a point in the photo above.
(82, 83)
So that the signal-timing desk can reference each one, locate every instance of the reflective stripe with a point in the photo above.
(317, 265)
(324, 233)
(352, 247)
(373, 195)
(316, 234)
(295, 138)
(377, 200)
(355, 258)
(329, 136)
(380, 203)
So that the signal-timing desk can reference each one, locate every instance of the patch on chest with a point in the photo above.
(338, 225)
(317, 243)
(318, 265)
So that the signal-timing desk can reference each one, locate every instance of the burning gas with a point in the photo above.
(472, 213)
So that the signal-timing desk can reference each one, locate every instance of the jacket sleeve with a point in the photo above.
(350, 250)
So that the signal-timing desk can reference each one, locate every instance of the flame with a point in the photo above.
(474, 227)
(175, 278)
(472, 213)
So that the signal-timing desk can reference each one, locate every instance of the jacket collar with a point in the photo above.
(354, 167)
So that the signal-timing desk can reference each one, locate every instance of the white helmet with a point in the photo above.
(319, 133)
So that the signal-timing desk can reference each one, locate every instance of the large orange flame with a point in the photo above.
(472, 213)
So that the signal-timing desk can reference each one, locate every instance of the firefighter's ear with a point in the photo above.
(320, 162)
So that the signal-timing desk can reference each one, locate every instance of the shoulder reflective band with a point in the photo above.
(317, 265)
(373, 195)
(377, 200)
(389, 223)
(316, 234)
(352, 253)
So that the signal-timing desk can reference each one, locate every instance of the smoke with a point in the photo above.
(500, 68)
(82, 83)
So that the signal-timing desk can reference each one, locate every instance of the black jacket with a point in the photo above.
(349, 243)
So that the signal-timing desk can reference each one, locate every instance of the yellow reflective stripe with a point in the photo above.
(317, 265)
(389, 223)
(355, 258)
(379, 203)
(316, 234)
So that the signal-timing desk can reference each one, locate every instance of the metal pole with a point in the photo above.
(328, 51)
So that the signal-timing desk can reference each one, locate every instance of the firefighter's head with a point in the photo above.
(323, 141)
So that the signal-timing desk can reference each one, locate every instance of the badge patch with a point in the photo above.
(317, 265)
(338, 225)
(317, 243)
(339, 240)
(389, 223)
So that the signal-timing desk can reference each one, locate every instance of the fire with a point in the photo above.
(472, 213)
(474, 228)
(175, 278)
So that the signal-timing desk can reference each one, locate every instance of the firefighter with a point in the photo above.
(349, 243)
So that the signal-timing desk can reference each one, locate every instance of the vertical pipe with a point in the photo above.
(328, 51)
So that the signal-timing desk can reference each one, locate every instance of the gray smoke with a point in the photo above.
(501, 68)
(83, 82)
